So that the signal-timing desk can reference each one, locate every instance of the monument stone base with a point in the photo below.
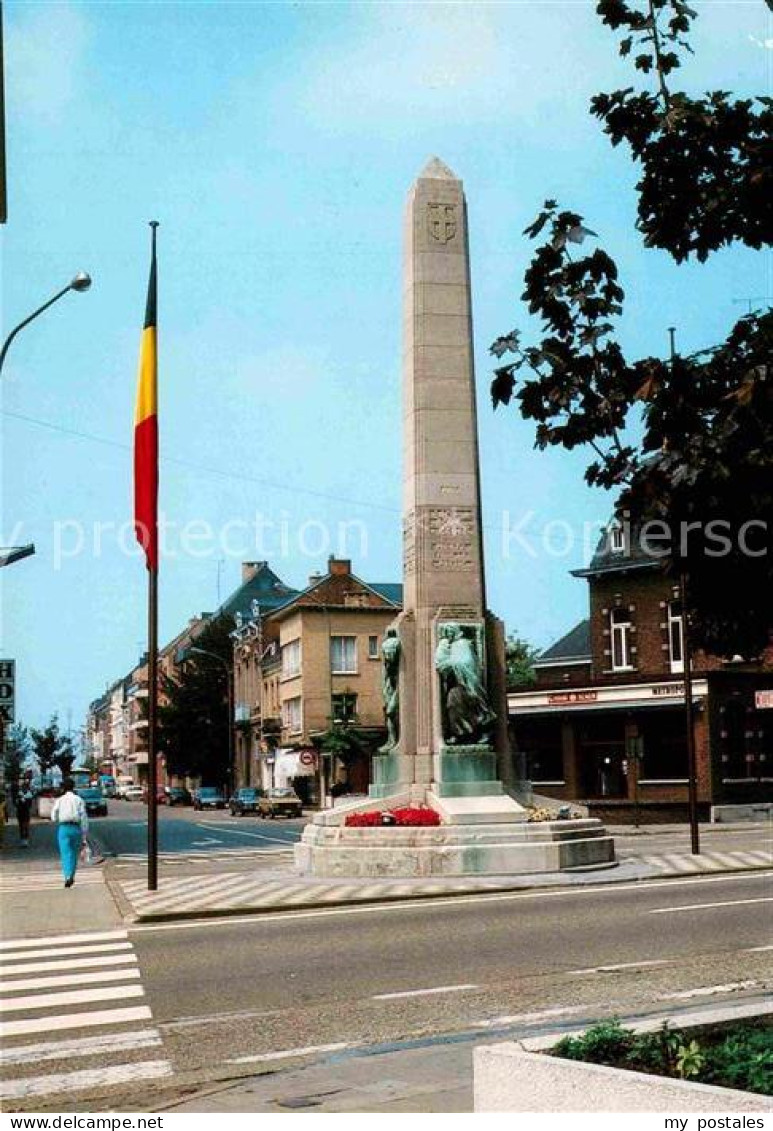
(478, 836)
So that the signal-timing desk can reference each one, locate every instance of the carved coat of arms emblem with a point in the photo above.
(441, 221)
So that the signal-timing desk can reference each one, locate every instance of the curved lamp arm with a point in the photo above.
(81, 282)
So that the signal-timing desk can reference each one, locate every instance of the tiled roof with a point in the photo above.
(264, 587)
(392, 590)
(574, 646)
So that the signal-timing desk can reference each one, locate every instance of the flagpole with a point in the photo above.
(153, 697)
(152, 714)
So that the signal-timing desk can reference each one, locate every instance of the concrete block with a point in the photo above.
(507, 1079)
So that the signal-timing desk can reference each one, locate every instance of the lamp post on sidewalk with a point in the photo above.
(81, 282)
(230, 697)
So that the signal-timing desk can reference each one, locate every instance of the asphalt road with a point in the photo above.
(235, 998)
(182, 830)
(228, 990)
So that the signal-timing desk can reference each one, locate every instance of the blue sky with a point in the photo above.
(276, 143)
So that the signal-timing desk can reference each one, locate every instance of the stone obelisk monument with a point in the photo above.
(443, 658)
(452, 705)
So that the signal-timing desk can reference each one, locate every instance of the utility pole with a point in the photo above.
(689, 713)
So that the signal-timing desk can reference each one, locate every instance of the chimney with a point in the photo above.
(314, 578)
(249, 569)
(339, 567)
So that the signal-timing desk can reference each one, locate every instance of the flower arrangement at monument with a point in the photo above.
(417, 816)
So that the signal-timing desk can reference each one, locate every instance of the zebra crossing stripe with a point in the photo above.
(61, 940)
(74, 1021)
(61, 951)
(76, 979)
(54, 884)
(74, 997)
(67, 964)
(84, 1078)
(38, 999)
(80, 1046)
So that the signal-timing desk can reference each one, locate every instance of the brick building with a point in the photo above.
(310, 665)
(605, 723)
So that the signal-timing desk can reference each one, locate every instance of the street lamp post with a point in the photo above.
(81, 282)
(230, 698)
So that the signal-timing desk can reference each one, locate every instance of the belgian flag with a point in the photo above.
(146, 429)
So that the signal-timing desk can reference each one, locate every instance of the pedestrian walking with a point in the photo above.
(23, 814)
(69, 815)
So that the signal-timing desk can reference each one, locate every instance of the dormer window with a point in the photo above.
(616, 538)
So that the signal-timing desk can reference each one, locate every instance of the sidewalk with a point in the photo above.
(35, 902)
(282, 889)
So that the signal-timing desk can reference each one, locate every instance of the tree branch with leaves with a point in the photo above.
(688, 440)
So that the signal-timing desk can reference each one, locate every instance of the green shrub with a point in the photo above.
(743, 1060)
(605, 1043)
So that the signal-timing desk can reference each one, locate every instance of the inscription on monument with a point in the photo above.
(452, 533)
(441, 221)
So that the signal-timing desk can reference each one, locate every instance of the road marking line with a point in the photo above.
(69, 980)
(400, 906)
(78, 997)
(74, 1021)
(706, 991)
(423, 993)
(68, 964)
(60, 940)
(85, 1078)
(620, 966)
(287, 1053)
(60, 951)
(757, 949)
(256, 836)
(80, 1046)
(704, 906)
(528, 1018)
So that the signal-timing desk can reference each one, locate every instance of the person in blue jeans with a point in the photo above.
(69, 814)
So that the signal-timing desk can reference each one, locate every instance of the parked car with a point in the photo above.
(176, 795)
(133, 793)
(245, 801)
(95, 803)
(208, 797)
(280, 803)
(121, 785)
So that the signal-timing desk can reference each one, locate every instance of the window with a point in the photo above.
(345, 707)
(343, 655)
(616, 539)
(620, 631)
(292, 716)
(676, 636)
(291, 658)
(663, 746)
(372, 647)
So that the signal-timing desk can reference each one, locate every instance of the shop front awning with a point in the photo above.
(657, 694)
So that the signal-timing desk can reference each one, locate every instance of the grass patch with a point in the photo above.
(739, 1055)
